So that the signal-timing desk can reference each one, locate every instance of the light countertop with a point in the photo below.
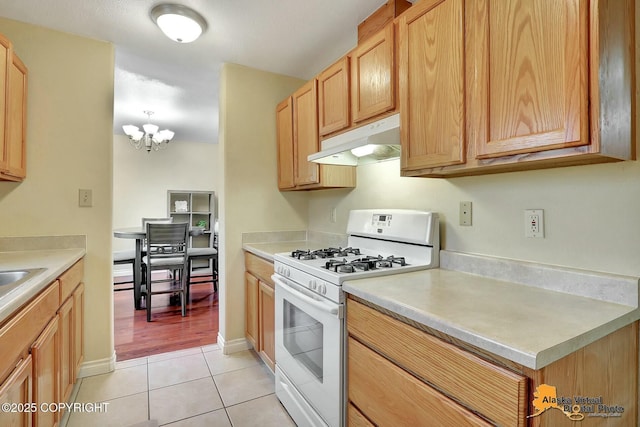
(267, 244)
(267, 250)
(53, 262)
(530, 325)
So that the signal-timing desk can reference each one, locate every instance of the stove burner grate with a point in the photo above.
(364, 264)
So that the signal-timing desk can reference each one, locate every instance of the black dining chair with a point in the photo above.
(122, 258)
(166, 250)
(194, 254)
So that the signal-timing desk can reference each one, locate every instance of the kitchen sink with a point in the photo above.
(13, 277)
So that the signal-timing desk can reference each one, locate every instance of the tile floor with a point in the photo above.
(187, 388)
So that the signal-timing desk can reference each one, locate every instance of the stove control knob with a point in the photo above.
(323, 289)
(312, 284)
(287, 272)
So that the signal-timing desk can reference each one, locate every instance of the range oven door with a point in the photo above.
(309, 337)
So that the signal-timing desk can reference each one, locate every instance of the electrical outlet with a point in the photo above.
(85, 198)
(465, 213)
(534, 223)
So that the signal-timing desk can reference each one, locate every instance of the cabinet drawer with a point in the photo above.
(355, 418)
(497, 393)
(259, 267)
(70, 279)
(17, 335)
(392, 397)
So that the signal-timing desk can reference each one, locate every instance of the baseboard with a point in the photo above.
(97, 367)
(233, 346)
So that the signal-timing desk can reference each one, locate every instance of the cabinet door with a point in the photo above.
(531, 70)
(305, 133)
(17, 389)
(251, 309)
(373, 76)
(333, 97)
(284, 138)
(266, 301)
(16, 124)
(431, 57)
(45, 352)
(78, 329)
(67, 363)
(5, 55)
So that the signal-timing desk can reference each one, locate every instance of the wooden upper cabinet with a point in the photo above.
(16, 124)
(373, 76)
(532, 76)
(305, 133)
(284, 138)
(5, 57)
(13, 113)
(333, 98)
(431, 73)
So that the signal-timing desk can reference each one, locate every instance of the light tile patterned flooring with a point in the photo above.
(187, 388)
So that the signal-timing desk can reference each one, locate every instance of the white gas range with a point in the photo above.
(310, 329)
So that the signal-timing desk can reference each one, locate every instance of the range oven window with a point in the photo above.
(302, 337)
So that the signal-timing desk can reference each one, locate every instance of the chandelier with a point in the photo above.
(151, 138)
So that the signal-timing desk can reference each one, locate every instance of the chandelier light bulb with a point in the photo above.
(151, 138)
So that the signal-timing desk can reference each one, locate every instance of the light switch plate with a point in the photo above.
(85, 198)
(465, 213)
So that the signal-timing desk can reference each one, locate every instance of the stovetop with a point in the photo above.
(336, 265)
(380, 243)
(346, 260)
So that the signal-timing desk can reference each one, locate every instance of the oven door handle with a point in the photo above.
(303, 294)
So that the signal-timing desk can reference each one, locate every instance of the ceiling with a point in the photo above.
(179, 82)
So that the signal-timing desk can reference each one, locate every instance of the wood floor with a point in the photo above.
(168, 330)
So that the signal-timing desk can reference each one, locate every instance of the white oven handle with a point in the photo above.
(305, 295)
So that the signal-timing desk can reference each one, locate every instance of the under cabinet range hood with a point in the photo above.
(370, 143)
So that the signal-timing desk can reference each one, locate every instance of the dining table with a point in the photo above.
(139, 233)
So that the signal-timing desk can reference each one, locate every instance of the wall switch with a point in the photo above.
(534, 223)
(85, 198)
(333, 216)
(465, 213)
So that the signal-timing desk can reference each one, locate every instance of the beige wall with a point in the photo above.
(69, 140)
(141, 180)
(249, 199)
(590, 212)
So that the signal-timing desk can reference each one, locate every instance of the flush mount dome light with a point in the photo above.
(178, 22)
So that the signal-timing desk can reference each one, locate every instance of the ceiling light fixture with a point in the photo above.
(150, 138)
(178, 22)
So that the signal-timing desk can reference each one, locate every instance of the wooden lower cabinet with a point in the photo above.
(78, 328)
(260, 307)
(46, 373)
(16, 390)
(67, 362)
(394, 397)
(251, 309)
(355, 418)
(41, 348)
(71, 315)
(423, 377)
(266, 310)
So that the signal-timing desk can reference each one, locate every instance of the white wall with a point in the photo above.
(141, 179)
(69, 140)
